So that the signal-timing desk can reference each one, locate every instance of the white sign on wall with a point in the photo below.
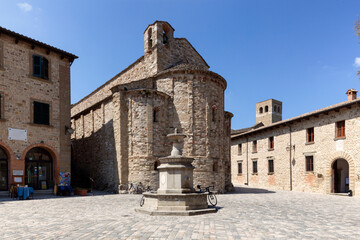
(18, 179)
(17, 134)
(18, 172)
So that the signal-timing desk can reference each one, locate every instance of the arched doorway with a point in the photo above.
(340, 176)
(3, 170)
(38, 168)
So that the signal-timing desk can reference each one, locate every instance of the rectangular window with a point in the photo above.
(40, 67)
(310, 135)
(239, 167)
(255, 170)
(271, 143)
(309, 163)
(340, 129)
(254, 146)
(41, 113)
(271, 165)
(239, 149)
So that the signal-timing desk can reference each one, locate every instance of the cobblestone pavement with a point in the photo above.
(246, 214)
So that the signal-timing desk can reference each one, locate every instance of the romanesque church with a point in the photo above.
(121, 127)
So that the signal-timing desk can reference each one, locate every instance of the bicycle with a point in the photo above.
(142, 200)
(211, 196)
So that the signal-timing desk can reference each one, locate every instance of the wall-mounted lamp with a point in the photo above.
(68, 130)
(18, 156)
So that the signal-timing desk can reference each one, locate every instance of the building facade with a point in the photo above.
(121, 127)
(314, 152)
(34, 111)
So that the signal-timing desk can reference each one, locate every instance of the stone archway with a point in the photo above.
(54, 158)
(6, 159)
(340, 176)
(329, 170)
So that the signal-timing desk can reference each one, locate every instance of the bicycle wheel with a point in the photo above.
(212, 199)
(142, 200)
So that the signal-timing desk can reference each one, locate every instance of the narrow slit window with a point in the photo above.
(254, 146)
(239, 149)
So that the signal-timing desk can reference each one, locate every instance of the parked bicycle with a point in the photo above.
(211, 196)
(136, 188)
(142, 200)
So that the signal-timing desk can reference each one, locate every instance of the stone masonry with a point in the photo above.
(121, 127)
(291, 149)
(19, 88)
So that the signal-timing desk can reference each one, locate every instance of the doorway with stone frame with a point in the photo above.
(340, 180)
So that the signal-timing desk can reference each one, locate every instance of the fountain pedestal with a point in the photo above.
(175, 195)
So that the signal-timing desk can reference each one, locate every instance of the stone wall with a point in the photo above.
(325, 149)
(171, 81)
(18, 89)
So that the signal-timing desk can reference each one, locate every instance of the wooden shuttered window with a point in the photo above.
(255, 170)
(309, 163)
(41, 113)
(310, 135)
(40, 67)
(239, 167)
(271, 142)
(271, 165)
(340, 129)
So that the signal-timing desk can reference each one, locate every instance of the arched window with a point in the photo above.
(275, 109)
(266, 108)
(261, 110)
(156, 115)
(3, 170)
(38, 168)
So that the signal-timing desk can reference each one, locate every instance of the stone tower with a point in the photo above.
(268, 112)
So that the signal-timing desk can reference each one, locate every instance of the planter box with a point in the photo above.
(80, 192)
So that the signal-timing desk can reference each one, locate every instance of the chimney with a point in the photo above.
(351, 94)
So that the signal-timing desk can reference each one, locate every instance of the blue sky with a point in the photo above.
(299, 52)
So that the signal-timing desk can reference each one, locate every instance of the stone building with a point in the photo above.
(34, 111)
(121, 127)
(313, 152)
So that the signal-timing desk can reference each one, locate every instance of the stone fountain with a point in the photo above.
(175, 195)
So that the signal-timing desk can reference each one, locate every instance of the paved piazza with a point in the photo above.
(246, 214)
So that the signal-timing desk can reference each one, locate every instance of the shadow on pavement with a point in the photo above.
(248, 190)
(37, 196)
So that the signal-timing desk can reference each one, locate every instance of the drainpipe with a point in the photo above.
(247, 161)
(290, 157)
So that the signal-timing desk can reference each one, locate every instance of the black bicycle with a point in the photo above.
(211, 196)
(142, 200)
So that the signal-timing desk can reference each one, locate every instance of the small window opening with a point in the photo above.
(156, 165)
(215, 166)
(261, 110)
(310, 135)
(309, 163)
(156, 115)
(340, 129)
(239, 149)
(165, 38)
(150, 41)
(41, 113)
(266, 108)
(275, 109)
(255, 170)
(40, 67)
(271, 143)
(271, 165)
(254, 146)
(239, 167)
(213, 114)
